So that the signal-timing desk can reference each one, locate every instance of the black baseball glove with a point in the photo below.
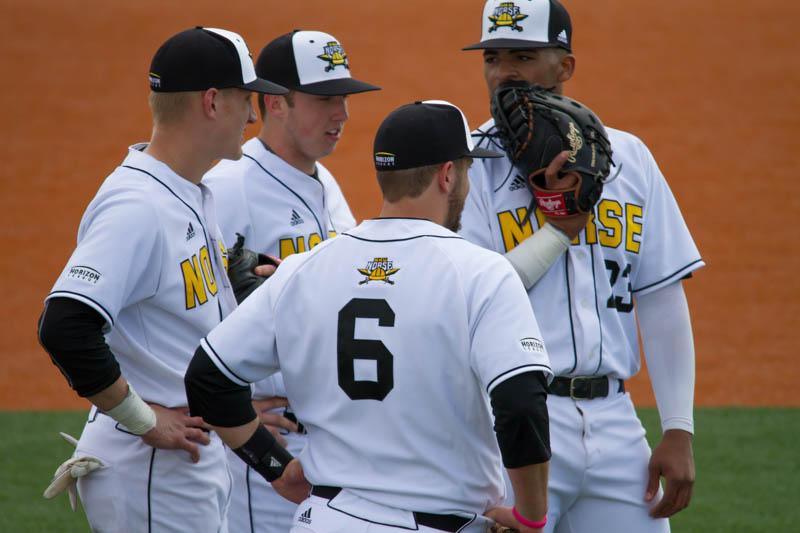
(241, 269)
(535, 125)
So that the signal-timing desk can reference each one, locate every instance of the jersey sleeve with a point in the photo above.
(230, 200)
(505, 337)
(668, 252)
(117, 260)
(244, 345)
(475, 225)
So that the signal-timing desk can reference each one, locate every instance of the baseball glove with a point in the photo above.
(241, 269)
(534, 125)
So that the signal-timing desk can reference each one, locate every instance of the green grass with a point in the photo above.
(748, 471)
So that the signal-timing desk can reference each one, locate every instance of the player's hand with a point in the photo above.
(293, 485)
(571, 225)
(505, 521)
(274, 422)
(673, 460)
(176, 430)
(266, 271)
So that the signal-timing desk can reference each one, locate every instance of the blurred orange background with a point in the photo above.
(712, 87)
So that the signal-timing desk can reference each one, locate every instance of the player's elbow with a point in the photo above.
(522, 423)
(71, 333)
(211, 395)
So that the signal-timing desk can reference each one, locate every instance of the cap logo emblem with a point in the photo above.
(575, 142)
(155, 81)
(506, 15)
(334, 55)
(379, 269)
(384, 159)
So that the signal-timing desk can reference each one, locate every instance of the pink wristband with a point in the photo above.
(528, 523)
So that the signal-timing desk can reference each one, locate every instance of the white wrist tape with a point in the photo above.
(535, 255)
(134, 414)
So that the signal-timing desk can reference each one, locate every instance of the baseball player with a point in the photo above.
(589, 278)
(145, 282)
(283, 201)
(409, 328)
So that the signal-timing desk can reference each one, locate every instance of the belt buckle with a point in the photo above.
(572, 382)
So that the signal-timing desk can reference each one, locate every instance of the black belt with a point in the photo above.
(581, 387)
(442, 522)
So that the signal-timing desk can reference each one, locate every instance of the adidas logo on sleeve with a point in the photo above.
(190, 232)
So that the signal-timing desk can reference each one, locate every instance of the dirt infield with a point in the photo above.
(711, 87)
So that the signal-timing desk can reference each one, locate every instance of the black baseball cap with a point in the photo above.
(424, 133)
(524, 25)
(202, 58)
(310, 62)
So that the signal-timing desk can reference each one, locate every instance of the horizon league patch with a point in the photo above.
(532, 344)
(84, 273)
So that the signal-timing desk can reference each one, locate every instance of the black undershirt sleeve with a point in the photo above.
(220, 401)
(521, 421)
(71, 332)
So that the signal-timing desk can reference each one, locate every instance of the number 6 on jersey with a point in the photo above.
(350, 350)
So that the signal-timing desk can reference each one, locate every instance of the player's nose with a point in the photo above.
(251, 118)
(341, 113)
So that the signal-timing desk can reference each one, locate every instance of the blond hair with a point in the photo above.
(168, 107)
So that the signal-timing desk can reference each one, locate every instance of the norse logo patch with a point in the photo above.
(506, 15)
(379, 269)
(335, 56)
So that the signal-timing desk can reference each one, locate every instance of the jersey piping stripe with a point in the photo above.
(149, 485)
(569, 310)
(532, 365)
(405, 239)
(674, 274)
(597, 310)
(242, 382)
(273, 176)
(199, 221)
(83, 296)
(249, 500)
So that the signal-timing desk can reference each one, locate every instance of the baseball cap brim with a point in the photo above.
(483, 153)
(337, 87)
(265, 87)
(512, 44)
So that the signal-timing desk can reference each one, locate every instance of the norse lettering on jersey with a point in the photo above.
(297, 245)
(198, 278)
(612, 225)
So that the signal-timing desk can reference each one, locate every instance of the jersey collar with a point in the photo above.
(181, 186)
(399, 228)
(256, 149)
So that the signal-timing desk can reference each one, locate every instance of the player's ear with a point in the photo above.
(446, 177)
(210, 102)
(566, 67)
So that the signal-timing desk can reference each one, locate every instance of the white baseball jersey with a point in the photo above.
(389, 338)
(279, 209)
(635, 242)
(151, 261)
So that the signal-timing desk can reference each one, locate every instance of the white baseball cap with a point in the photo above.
(311, 62)
(524, 24)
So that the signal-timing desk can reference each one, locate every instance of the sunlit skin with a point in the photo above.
(306, 131)
(235, 107)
